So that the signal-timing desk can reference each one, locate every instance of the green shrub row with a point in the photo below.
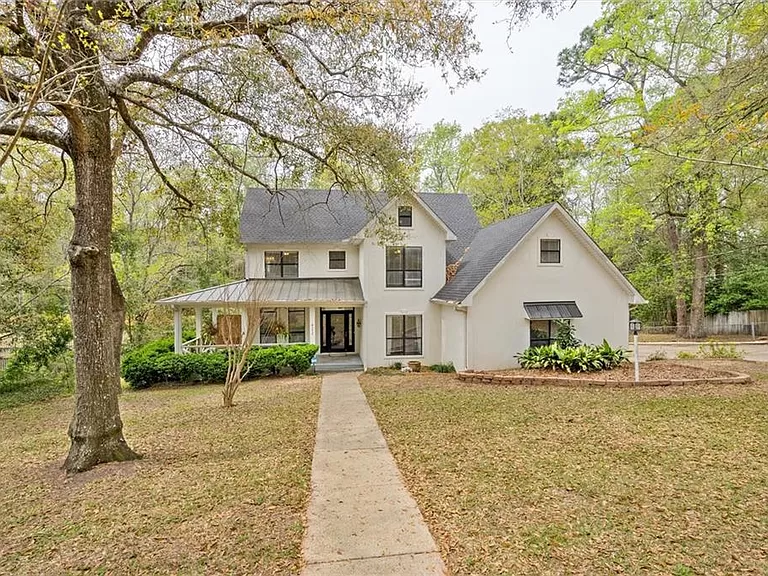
(584, 358)
(156, 363)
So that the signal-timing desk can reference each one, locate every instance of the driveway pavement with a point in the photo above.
(361, 519)
(757, 352)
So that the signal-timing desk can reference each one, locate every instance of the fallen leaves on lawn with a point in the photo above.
(547, 480)
(218, 490)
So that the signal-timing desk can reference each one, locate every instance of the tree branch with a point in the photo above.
(126, 116)
(36, 134)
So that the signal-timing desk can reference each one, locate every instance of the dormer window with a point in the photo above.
(405, 216)
(550, 251)
(281, 264)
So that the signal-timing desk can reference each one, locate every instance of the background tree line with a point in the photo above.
(659, 150)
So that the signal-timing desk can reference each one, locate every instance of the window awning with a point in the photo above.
(552, 310)
(283, 291)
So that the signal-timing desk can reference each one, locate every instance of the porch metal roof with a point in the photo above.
(552, 310)
(274, 291)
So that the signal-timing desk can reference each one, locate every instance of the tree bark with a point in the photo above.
(681, 308)
(699, 289)
(97, 307)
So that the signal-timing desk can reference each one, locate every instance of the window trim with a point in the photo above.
(403, 338)
(543, 251)
(404, 270)
(551, 331)
(400, 216)
(344, 252)
(282, 265)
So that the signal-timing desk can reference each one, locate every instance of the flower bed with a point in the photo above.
(651, 374)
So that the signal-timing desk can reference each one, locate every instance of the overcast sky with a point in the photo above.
(521, 69)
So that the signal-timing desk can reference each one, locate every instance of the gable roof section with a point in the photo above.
(308, 215)
(489, 246)
(457, 213)
(493, 244)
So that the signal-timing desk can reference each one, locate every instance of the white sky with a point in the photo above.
(521, 69)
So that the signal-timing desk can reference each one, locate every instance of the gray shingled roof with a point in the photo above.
(274, 291)
(457, 213)
(486, 250)
(299, 216)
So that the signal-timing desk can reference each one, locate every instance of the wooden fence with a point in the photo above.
(751, 323)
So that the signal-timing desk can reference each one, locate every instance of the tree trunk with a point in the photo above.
(681, 310)
(97, 309)
(699, 289)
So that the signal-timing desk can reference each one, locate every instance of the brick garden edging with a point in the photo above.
(491, 378)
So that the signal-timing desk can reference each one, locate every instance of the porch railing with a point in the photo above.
(196, 345)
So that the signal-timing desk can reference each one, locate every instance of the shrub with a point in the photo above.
(444, 368)
(683, 355)
(657, 355)
(566, 334)
(584, 358)
(715, 350)
(156, 363)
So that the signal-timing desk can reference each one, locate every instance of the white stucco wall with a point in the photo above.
(383, 301)
(497, 326)
(313, 259)
(454, 342)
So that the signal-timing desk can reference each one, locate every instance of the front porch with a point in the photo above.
(324, 312)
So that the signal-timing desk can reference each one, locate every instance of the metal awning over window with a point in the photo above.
(552, 310)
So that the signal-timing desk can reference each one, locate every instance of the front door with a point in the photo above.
(337, 331)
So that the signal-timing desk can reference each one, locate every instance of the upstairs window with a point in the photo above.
(403, 266)
(550, 251)
(281, 264)
(337, 260)
(405, 216)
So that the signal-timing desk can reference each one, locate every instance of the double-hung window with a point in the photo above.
(550, 251)
(296, 325)
(404, 265)
(337, 260)
(267, 326)
(405, 216)
(281, 264)
(404, 336)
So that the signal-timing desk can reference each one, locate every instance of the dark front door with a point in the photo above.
(338, 331)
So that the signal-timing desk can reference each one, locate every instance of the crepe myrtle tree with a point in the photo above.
(312, 86)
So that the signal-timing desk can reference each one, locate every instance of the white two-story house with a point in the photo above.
(383, 280)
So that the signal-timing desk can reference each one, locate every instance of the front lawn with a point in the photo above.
(546, 480)
(218, 491)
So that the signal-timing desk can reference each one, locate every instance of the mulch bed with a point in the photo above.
(651, 374)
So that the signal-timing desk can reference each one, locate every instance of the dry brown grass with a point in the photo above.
(218, 491)
(544, 480)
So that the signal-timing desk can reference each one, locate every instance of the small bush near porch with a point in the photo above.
(218, 491)
(546, 480)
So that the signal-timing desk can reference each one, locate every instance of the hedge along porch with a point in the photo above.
(327, 312)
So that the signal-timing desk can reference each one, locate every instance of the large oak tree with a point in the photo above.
(306, 83)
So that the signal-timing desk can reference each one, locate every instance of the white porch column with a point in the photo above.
(177, 330)
(198, 323)
(312, 326)
(243, 325)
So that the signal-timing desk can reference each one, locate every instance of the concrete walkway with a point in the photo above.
(361, 519)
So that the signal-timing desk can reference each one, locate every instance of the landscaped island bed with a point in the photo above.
(218, 491)
(651, 373)
(599, 481)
